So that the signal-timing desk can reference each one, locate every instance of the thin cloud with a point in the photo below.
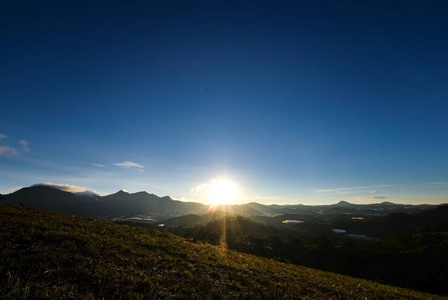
(15, 189)
(380, 197)
(256, 197)
(199, 193)
(88, 193)
(128, 164)
(98, 165)
(374, 192)
(199, 188)
(25, 145)
(348, 189)
(8, 151)
(11, 151)
(63, 187)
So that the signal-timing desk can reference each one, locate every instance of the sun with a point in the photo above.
(222, 192)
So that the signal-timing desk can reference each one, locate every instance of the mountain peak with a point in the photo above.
(343, 203)
(87, 193)
(387, 203)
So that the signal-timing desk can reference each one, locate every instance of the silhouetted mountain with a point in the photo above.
(124, 203)
(49, 198)
(89, 195)
(127, 204)
(120, 203)
(343, 203)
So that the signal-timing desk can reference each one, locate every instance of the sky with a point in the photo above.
(308, 102)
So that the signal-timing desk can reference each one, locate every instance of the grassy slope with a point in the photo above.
(51, 255)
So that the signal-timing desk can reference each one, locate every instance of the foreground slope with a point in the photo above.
(52, 255)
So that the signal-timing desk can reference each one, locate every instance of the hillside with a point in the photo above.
(49, 255)
(415, 258)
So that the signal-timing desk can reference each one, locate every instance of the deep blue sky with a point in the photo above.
(298, 102)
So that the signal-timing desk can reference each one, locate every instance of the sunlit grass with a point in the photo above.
(54, 256)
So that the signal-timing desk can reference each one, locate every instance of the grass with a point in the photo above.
(46, 255)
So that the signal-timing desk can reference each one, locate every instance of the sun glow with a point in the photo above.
(222, 192)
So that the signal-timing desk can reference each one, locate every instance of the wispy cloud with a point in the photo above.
(63, 187)
(9, 151)
(374, 192)
(25, 145)
(257, 198)
(88, 193)
(379, 197)
(15, 188)
(128, 164)
(98, 165)
(349, 189)
(199, 188)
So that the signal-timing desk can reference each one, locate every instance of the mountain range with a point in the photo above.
(126, 205)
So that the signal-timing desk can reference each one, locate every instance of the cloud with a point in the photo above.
(98, 165)
(25, 145)
(258, 197)
(374, 192)
(9, 151)
(380, 197)
(15, 188)
(350, 189)
(63, 187)
(128, 164)
(199, 188)
(88, 193)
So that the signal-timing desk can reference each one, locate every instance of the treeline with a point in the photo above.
(414, 258)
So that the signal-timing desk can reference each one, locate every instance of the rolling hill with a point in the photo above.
(47, 255)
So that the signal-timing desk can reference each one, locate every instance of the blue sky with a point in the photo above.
(312, 102)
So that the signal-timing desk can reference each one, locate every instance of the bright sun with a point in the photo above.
(222, 192)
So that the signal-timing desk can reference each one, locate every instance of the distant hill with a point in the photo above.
(395, 222)
(57, 256)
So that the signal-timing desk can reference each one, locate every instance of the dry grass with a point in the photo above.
(47, 255)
